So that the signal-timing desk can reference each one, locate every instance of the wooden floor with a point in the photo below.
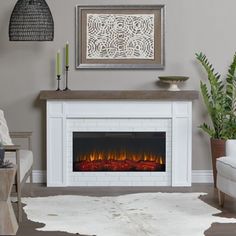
(28, 228)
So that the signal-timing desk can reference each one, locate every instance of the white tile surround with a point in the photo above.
(64, 117)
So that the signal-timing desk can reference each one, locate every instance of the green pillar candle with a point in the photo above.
(67, 53)
(58, 62)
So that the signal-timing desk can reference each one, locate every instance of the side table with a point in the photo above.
(8, 223)
(15, 149)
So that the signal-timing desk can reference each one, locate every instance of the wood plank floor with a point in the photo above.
(28, 228)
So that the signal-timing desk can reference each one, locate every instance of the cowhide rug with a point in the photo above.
(143, 214)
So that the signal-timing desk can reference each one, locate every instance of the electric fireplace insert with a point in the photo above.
(119, 151)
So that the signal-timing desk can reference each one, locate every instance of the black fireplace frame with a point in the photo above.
(135, 138)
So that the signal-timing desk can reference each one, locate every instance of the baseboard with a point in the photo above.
(39, 176)
(202, 176)
(198, 176)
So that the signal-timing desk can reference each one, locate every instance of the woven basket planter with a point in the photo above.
(31, 20)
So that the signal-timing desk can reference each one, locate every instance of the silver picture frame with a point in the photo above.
(156, 61)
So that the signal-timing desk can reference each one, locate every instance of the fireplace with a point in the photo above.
(119, 151)
(141, 122)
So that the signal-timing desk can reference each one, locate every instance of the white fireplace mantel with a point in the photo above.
(64, 115)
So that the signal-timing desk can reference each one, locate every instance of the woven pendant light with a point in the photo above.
(31, 20)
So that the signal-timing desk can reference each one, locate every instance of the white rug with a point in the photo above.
(144, 214)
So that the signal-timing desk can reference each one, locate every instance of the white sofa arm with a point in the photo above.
(231, 147)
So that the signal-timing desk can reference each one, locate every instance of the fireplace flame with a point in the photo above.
(121, 156)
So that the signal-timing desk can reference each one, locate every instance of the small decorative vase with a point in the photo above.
(2, 155)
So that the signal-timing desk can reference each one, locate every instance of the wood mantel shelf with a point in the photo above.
(119, 94)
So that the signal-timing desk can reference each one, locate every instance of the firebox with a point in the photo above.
(119, 151)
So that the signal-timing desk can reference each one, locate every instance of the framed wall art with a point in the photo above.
(120, 37)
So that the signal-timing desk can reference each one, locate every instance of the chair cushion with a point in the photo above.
(226, 167)
(4, 131)
(26, 161)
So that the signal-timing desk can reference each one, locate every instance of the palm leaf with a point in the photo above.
(231, 86)
(213, 97)
(208, 130)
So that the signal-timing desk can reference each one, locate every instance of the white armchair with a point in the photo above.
(226, 172)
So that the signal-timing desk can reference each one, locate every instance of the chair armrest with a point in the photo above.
(23, 135)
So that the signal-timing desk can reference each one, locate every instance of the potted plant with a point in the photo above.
(220, 100)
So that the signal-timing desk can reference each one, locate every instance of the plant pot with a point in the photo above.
(217, 150)
(2, 154)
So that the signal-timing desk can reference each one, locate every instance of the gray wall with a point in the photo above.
(28, 67)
